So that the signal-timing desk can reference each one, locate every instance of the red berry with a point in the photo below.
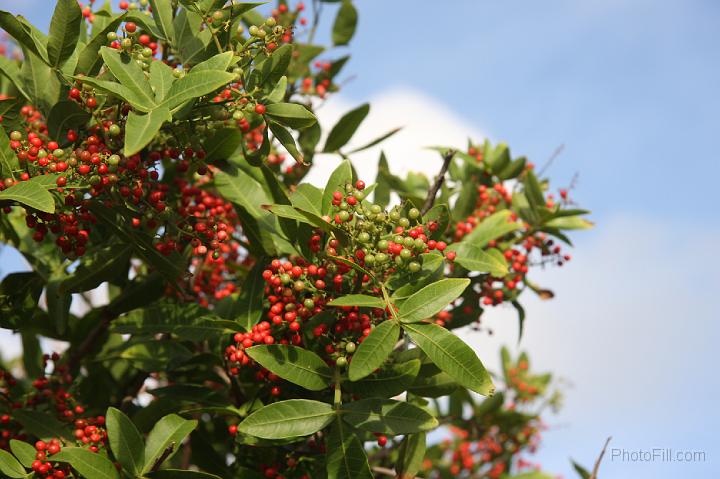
(260, 109)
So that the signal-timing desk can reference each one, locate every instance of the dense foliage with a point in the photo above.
(254, 325)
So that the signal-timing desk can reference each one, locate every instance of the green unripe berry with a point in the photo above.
(369, 259)
(112, 36)
(15, 135)
(254, 30)
(261, 33)
(375, 209)
(398, 239)
(285, 278)
(114, 130)
(147, 52)
(399, 261)
(404, 222)
(380, 258)
(414, 266)
(309, 303)
(414, 213)
(409, 242)
(341, 362)
(177, 72)
(364, 237)
(59, 153)
(394, 215)
(405, 254)
(350, 347)
(419, 244)
(126, 43)
(383, 245)
(218, 15)
(379, 218)
(238, 115)
(344, 215)
(299, 285)
(42, 154)
(114, 160)
(270, 22)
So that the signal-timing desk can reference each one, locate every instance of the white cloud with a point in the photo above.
(425, 121)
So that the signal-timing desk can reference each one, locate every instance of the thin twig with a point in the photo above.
(384, 471)
(439, 179)
(594, 474)
(166, 453)
(550, 160)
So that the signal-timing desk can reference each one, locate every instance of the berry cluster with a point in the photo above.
(49, 394)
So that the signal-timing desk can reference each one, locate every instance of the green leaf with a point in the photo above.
(345, 128)
(276, 65)
(411, 455)
(339, 177)
(362, 300)
(286, 140)
(431, 299)
(533, 190)
(582, 472)
(139, 102)
(286, 419)
(346, 458)
(126, 442)
(155, 355)
(32, 356)
(569, 223)
(308, 198)
(97, 267)
(129, 74)
(87, 463)
(31, 194)
(278, 92)
(140, 130)
(183, 474)
(374, 350)
(298, 365)
(493, 227)
(41, 82)
(167, 435)
(345, 23)
(387, 416)
(194, 85)
(388, 382)
(161, 79)
(16, 29)
(23, 451)
(452, 355)
(163, 14)
(376, 141)
(222, 145)
(238, 187)
(8, 158)
(10, 466)
(89, 62)
(64, 31)
(250, 302)
(474, 258)
(12, 71)
(382, 191)
(190, 40)
(221, 62)
(66, 115)
(290, 114)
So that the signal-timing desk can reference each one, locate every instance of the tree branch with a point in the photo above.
(594, 474)
(439, 179)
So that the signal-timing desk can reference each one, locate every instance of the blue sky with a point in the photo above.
(631, 89)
